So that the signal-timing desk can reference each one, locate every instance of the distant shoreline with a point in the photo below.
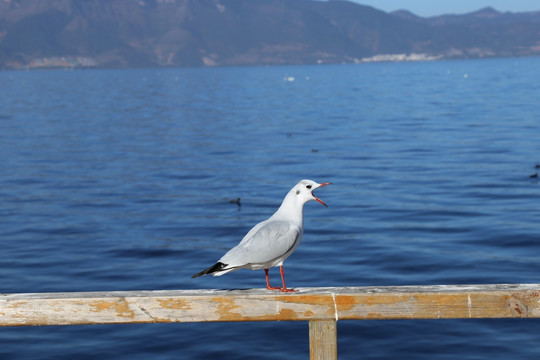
(69, 63)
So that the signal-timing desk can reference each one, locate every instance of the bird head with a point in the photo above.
(304, 190)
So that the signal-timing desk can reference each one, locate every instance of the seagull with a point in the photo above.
(271, 242)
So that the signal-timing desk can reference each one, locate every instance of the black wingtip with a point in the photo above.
(212, 269)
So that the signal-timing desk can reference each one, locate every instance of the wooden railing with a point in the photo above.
(322, 307)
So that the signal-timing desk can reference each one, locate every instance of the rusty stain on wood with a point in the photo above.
(346, 303)
(178, 304)
(15, 305)
(120, 306)
(228, 309)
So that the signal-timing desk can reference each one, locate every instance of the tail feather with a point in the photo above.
(212, 269)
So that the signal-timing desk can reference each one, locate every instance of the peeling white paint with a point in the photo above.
(335, 306)
(408, 310)
(504, 300)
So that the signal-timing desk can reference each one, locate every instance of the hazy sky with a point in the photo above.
(438, 7)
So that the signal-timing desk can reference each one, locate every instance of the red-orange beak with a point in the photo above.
(320, 186)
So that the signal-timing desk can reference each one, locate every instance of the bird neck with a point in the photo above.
(291, 209)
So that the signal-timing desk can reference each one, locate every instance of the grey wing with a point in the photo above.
(273, 240)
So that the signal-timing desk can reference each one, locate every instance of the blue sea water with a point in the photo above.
(121, 180)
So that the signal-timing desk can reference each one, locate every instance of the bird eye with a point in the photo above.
(308, 186)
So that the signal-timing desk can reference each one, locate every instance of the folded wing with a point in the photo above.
(270, 242)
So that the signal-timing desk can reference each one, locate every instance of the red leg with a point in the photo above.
(268, 282)
(283, 280)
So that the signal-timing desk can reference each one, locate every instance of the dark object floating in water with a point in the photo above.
(236, 201)
(314, 150)
(537, 166)
(534, 176)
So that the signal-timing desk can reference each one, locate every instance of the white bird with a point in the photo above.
(272, 241)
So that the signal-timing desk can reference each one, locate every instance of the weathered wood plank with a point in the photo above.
(322, 340)
(403, 302)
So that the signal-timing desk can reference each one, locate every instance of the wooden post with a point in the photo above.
(322, 340)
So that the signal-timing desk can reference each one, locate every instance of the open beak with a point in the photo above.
(316, 198)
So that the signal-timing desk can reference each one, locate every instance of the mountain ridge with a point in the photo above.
(176, 33)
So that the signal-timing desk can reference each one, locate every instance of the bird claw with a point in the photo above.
(281, 289)
(288, 290)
